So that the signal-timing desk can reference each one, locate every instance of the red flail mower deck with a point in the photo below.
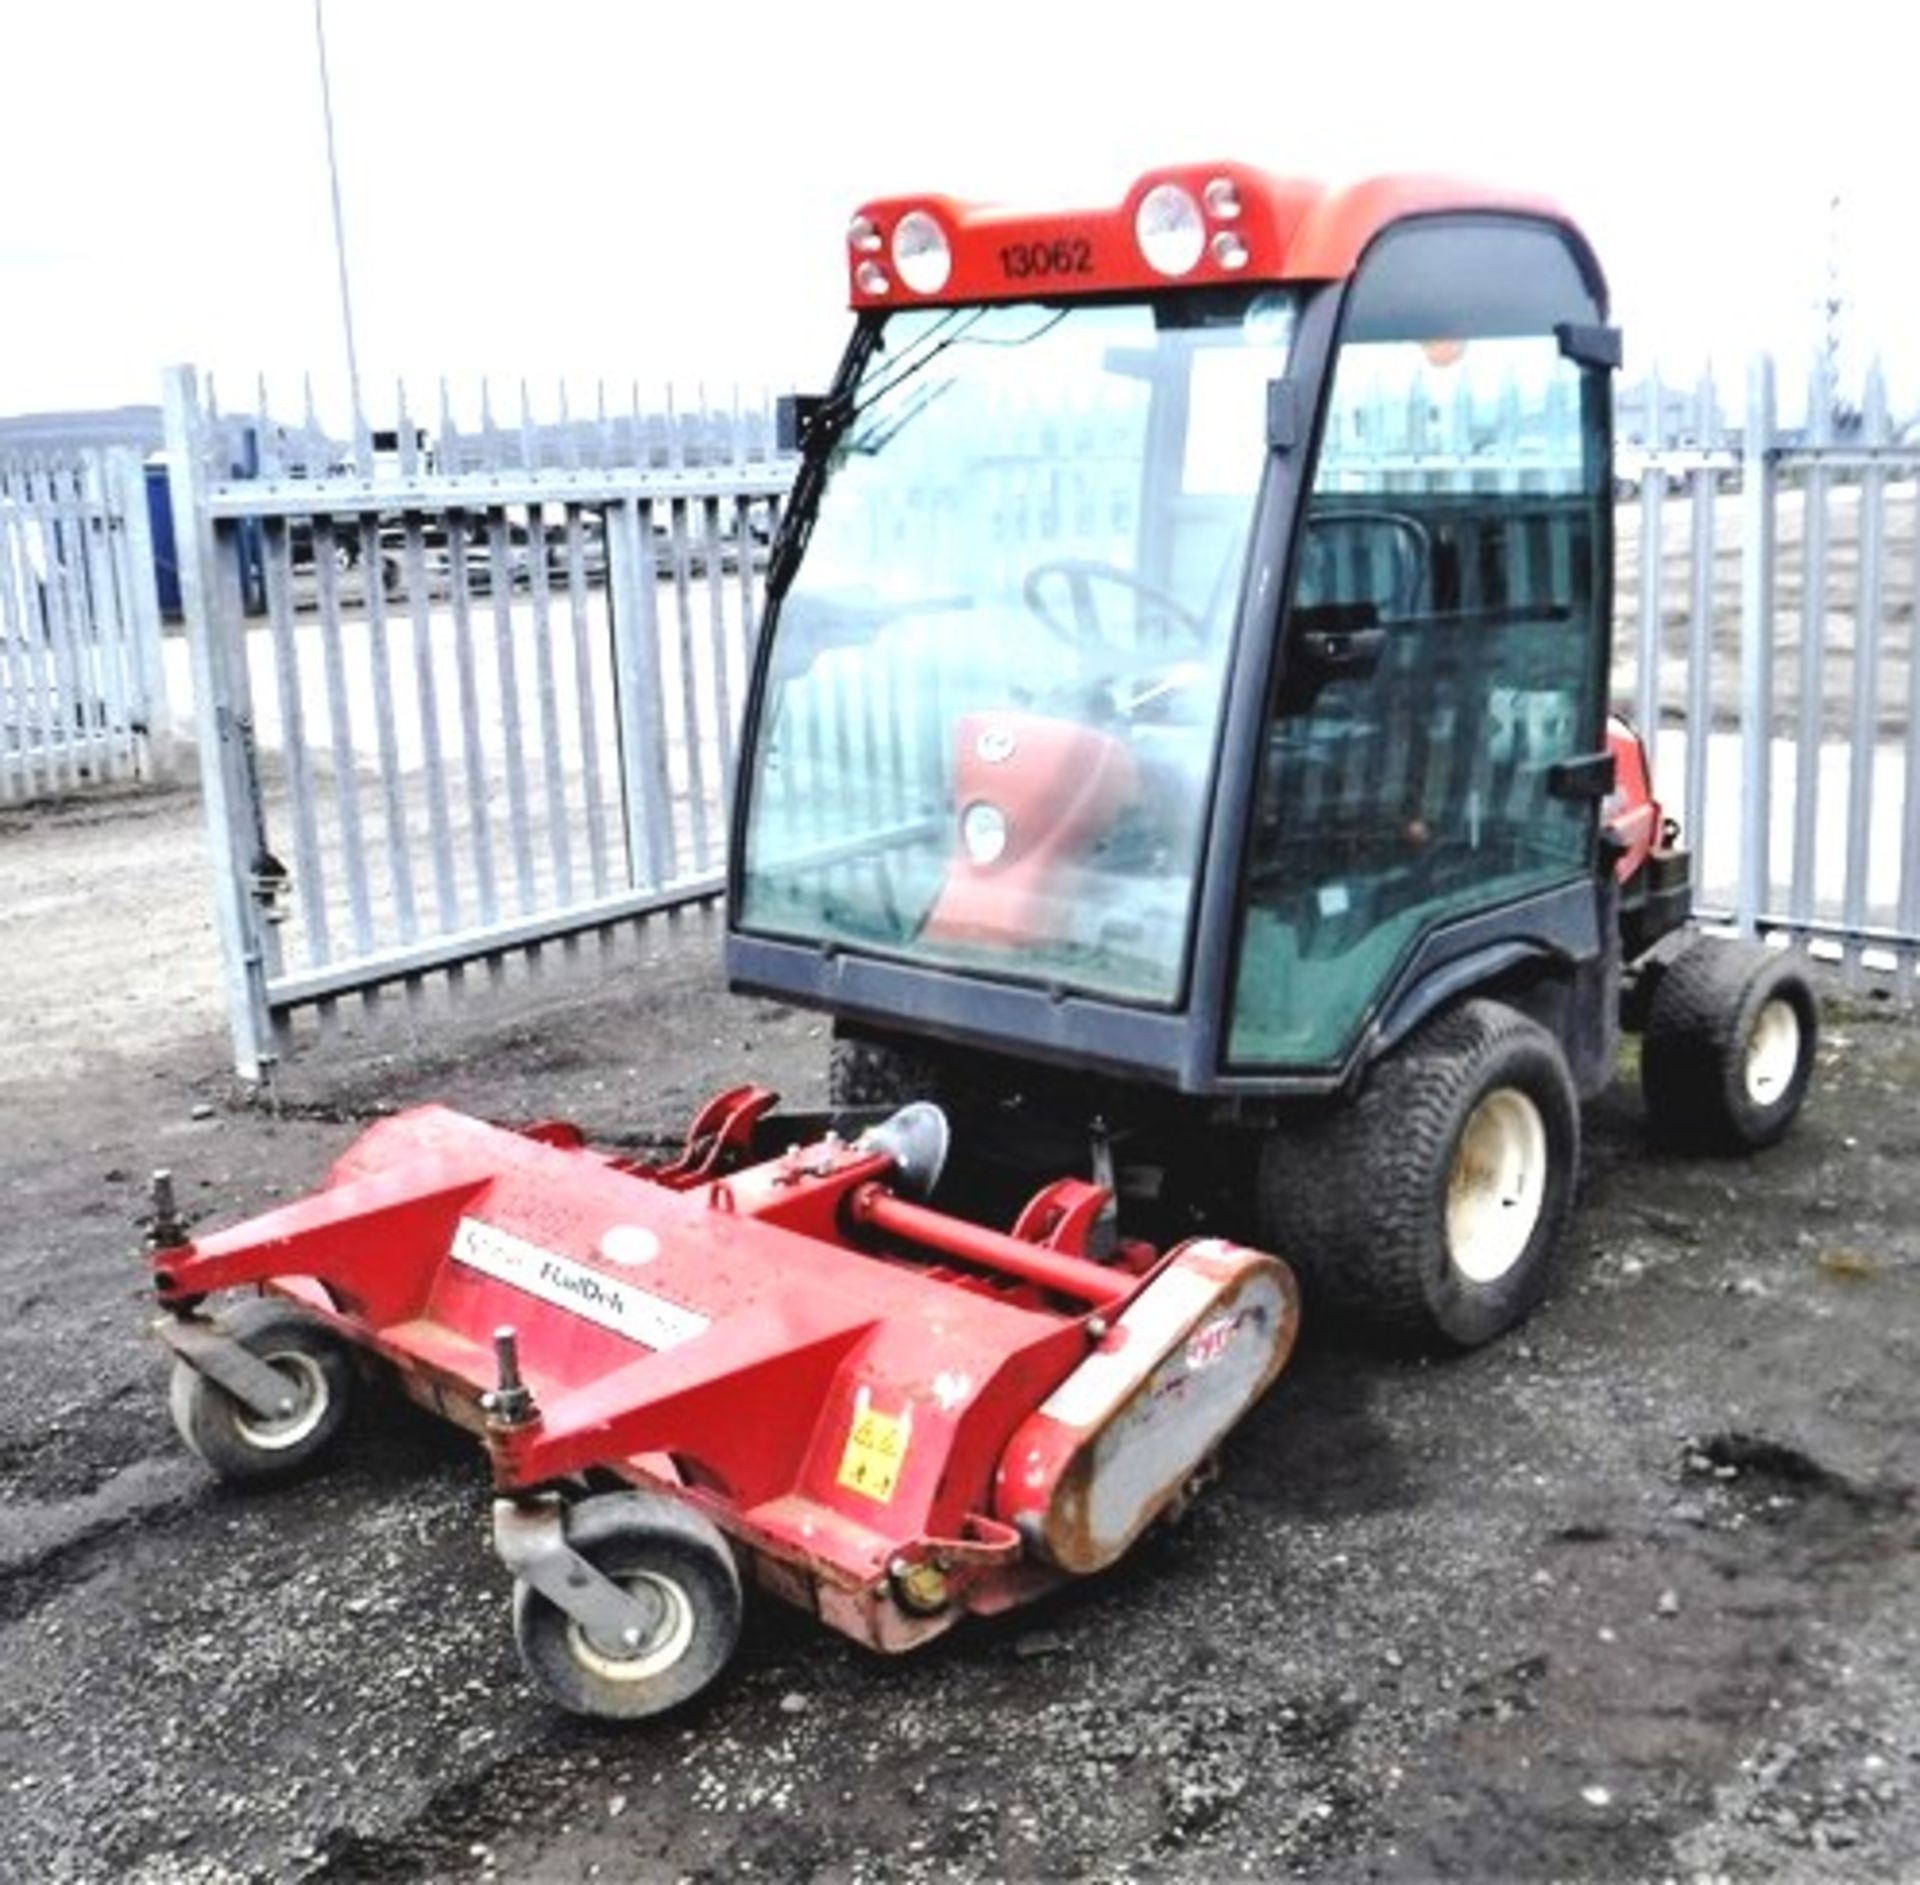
(690, 1371)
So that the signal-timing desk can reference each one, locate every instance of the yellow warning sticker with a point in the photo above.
(876, 1449)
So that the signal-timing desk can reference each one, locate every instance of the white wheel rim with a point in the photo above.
(310, 1398)
(1773, 1051)
(671, 1639)
(1497, 1186)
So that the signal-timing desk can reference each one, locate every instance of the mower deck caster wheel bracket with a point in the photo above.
(245, 1446)
(679, 1570)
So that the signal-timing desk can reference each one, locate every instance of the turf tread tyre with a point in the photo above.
(1357, 1200)
(862, 1071)
(1693, 1057)
(636, 1535)
(234, 1441)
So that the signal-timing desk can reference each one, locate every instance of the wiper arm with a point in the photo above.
(829, 421)
(880, 437)
(937, 339)
(829, 424)
(837, 412)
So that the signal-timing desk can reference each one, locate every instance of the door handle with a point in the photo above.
(1341, 653)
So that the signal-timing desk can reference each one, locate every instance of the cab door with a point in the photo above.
(1443, 649)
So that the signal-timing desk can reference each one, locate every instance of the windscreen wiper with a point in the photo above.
(827, 423)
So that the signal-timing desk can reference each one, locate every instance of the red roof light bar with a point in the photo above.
(1188, 224)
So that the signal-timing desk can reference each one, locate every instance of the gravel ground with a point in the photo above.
(1633, 1594)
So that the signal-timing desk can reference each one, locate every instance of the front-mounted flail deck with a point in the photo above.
(798, 1374)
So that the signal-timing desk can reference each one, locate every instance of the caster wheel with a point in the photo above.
(681, 1569)
(247, 1447)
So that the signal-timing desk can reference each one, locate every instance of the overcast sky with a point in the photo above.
(658, 192)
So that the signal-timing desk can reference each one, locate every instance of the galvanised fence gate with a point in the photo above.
(82, 696)
(462, 692)
(467, 692)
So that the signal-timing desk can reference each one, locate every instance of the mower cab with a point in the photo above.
(1191, 622)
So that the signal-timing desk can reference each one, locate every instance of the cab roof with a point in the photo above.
(1228, 221)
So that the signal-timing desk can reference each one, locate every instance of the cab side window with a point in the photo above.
(1441, 649)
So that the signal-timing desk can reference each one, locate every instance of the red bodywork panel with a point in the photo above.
(1632, 813)
(1288, 229)
(832, 1372)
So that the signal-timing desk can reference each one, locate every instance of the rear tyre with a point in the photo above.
(680, 1565)
(249, 1448)
(1433, 1208)
(1729, 1047)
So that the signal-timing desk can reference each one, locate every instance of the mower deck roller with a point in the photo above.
(885, 1414)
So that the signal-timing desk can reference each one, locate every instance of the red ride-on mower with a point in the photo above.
(694, 1374)
(1178, 746)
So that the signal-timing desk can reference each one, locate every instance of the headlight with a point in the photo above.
(984, 831)
(921, 256)
(1169, 229)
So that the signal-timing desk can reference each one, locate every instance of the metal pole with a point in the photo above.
(1759, 474)
(227, 785)
(339, 225)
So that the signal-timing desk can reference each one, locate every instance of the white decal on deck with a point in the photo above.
(612, 1302)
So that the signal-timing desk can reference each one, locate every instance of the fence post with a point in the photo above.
(1907, 981)
(639, 705)
(127, 483)
(1759, 478)
(1710, 433)
(1868, 629)
(226, 778)
(1802, 895)
(17, 760)
(1653, 493)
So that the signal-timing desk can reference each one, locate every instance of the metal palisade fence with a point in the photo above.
(82, 696)
(461, 692)
(469, 687)
(1765, 591)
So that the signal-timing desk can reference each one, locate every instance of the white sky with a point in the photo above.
(579, 188)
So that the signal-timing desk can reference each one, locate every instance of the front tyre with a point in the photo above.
(1729, 1046)
(679, 1565)
(250, 1448)
(1433, 1208)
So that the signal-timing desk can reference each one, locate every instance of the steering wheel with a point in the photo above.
(1084, 631)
